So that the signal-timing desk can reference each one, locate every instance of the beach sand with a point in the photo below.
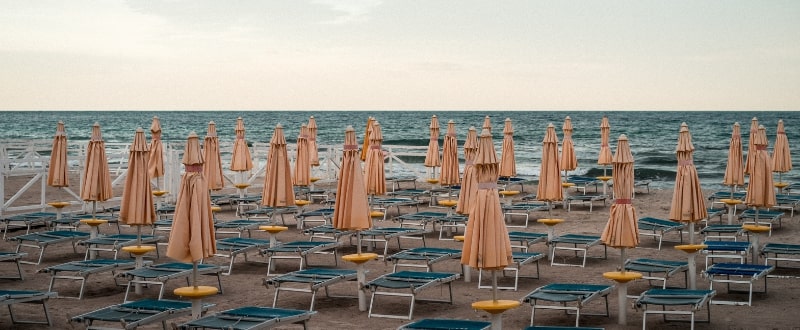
(773, 310)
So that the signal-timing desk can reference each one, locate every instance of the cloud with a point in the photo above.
(349, 11)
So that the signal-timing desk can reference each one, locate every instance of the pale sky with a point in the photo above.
(399, 55)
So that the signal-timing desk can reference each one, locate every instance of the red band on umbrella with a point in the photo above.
(685, 162)
(761, 147)
(451, 134)
(784, 133)
(194, 168)
(487, 185)
(305, 136)
(604, 145)
(375, 147)
(434, 139)
(622, 201)
(470, 162)
(350, 147)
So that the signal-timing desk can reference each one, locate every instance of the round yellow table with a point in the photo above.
(272, 231)
(58, 206)
(691, 250)
(622, 279)
(432, 180)
(496, 308)
(780, 186)
(196, 294)
(731, 203)
(551, 232)
(605, 179)
(757, 230)
(566, 186)
(359, 259)
(138, 252)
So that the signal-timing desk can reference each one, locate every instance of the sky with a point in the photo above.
(399, 55)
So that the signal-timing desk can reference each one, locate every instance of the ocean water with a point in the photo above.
(652, 134)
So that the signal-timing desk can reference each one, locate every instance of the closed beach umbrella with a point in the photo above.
(621, 230)
(487, 123)
(302, 165)
(365, 144)
(568, 161)
(549, 174)
(605, 151)
(240, 159)
(278, 190)
(781, 156)
(212, 161)
(688, 204)
(469, 184)
(313, 149)
(374, 169)
(486, 242)
(351, 210)
(508, 163)
(760, 191)
(156, 161)
(450, 170)
(734, 171)
(192, 235)
(57, 173)
(137, 208)
(751, 147)
(96, 186)
(432, 156)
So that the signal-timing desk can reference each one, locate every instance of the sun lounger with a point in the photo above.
(787, 203)
(583, 182)
(564, 293)
(585, 200)
(308, 281)
(133, 314)
(246, 203)
(231, 247)
(14, 257)
(522, 209)
(506, 182)
(397, 202)
(395, 181)
(114, 243)
(668, 268)
(721, 273)
(642, 183)
(580, 243)
(519, 259)
(726, 249)
(780, 252)
(326, 232)
(450, 225)
(524, 239)
(42, 240)
(419, 219)
(657, 228)
(27, 220)
(81, 270)
(673, 298)
(251, 317)
(723, 232)
(385, 234)
(321, 216)
(12, 297)
(297, 250)
(428, 255)
(73, 221)
(269, 213)
(239, 226)
(160, 274)
(768, 218)
(412, 283)
(446, 324)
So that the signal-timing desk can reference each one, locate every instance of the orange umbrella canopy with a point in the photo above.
(156, 167)
(432, 157)
(734, 171)
(605, 151)
(688, 203)
(278, 189)
(212, 161)
(302, 164)
(751, 146)
(568, 161)
(374, 169)
(192, 236)
(487, 123)
(486, 242)
(351, 210)
(549, 177)
(313, 149)
(57, 173)
(450, 170)
(781, 156)
(760, 191)
(96, 185)
(469, 185)
(508, 163)
(240, 159)
(137, 207)
(622, 231)
(365, 145)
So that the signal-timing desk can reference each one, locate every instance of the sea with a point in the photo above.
(653, 135)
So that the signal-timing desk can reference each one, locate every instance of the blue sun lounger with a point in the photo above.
(583, 182)
(674, 298)
(114, 243)
(231, 247)
(81, 270)
(747, 272)
(522, 209)
(309, 281)
(239, 226)
(781, 252)
(27, 220)
(412, 283)
(428, 255)
(419, 219)
(250, 318)
(396, 202)
(723, 232)
(12, 297)
(326, 232)
(519, 259)
(397, 180)
(507, 181)
(446, 324)
(668, 268)
(564, 293)
(657, 228)
(580, 243)
(297, 250)
(269, 213)
(585, 200)
(385, 234)
(450, 225)
(133, 314)
(160, 274)
(524, 239)
(769, 218)
(16, 258)
(726, 250)
(43, 239)
(322, 216)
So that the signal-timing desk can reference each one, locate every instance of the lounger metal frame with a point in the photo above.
(239, 226)
(580, 243)
(15, 257)
(781, 252)
(563, 293)
(250, 318)
(133, 314)
(309, 281)
(727, 250)
(428, 255)
(160, 274)
(27, 220)
(81, 270)
(297, 250)
(522, 209)
(658, 266)
(384, 234)
(231, 247)
(585, 199)
(519, 259)
(41, 240)
(12, 297)
(657, 228)
(768, 218)
(412, 281)
(115, 243)
(748, 273)
(694, 299)
(446, 324)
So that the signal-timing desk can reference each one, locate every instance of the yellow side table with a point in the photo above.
(757, 230)
(780, 186)
(605, 179)
(622, 278)
(58, 206)
(496, 308)
(551, 232)
(731, 203)
(242, 187)
(566, 186)
(464, 268)
(196, 294)
(93, 231)
(138, 252)
(359, 259)
(508, 195)
(691, 250)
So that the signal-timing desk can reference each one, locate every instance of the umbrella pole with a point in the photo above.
(138, 235)
(494, 285)
(194, 274)
(622, 293)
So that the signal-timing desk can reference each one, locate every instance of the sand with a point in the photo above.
(771, 310)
